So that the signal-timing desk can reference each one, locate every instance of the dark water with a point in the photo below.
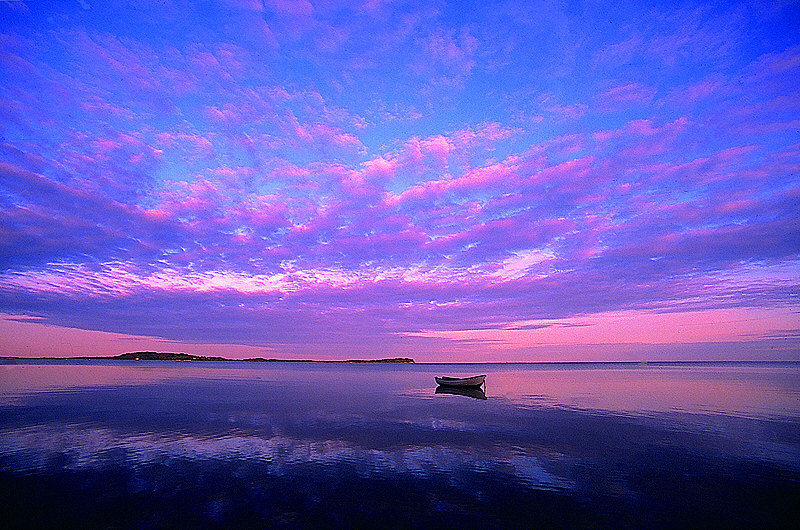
(170, 444)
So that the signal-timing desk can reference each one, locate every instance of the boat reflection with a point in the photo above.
(469, 391)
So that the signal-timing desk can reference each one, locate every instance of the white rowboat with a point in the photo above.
(476, 380)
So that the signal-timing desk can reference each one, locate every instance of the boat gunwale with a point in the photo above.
(475, 380)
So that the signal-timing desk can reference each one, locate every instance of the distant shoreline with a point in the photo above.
(170, 356)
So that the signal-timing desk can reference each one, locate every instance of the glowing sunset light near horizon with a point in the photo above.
(448, 181)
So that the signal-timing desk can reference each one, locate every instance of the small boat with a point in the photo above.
(476, 380)
(475, 392)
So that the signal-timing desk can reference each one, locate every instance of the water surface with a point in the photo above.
(166, 444)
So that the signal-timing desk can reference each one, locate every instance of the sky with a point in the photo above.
(443, 180)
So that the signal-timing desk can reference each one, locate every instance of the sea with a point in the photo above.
(168, 444)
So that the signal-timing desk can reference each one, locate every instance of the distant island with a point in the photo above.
(169, 356)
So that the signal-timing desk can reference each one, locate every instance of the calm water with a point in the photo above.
(170, 444)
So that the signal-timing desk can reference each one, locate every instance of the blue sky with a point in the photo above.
(446, 180)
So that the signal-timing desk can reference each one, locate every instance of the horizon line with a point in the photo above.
(373, 361)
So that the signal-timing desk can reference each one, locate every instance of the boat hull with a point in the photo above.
(461, 381)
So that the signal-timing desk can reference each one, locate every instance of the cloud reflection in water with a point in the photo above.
(271, 441)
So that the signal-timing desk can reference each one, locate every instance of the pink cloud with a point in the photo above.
(624, 96)
(641, 138)
(228, 114)
(698, 91)
(333, 136)
(234, 59)
(485, 242)
(497, 176)
(484, 134)
(438, 146)
(105, 145)
(446, 58)
(106, 109)
(550, 104)
(568, 177)
(194, 146)
(398, 113)
(565, 146)
(466, 147)
(379, 169)
(774, 66)
(107, 57)
(454, 52)
(126, 150)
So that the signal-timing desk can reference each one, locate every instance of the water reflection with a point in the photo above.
(752, 390)
(300, 445)
(468, 391)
